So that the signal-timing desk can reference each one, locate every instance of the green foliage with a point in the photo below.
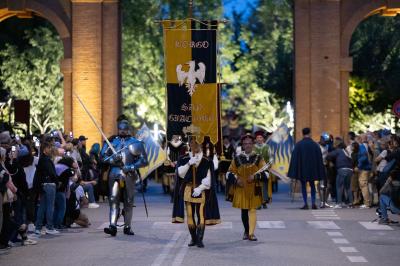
(257, 65)
(143, 83)
(375, 48)
(143, 92)
(362, 115)
(33, 73)
(360, 98)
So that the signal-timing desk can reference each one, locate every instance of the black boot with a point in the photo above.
(194, 237)
(200, 235)
(128, 231)
(111, 230)
(305, 207)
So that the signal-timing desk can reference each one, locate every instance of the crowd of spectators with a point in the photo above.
(364, 172)
(44, 182)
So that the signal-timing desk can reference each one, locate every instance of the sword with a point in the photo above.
(95, 123)
(109, 144)
(144, 199)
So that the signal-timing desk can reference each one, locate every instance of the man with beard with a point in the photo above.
(246, 173)
(130, 155)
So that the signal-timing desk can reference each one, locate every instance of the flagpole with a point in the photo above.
(190, 8)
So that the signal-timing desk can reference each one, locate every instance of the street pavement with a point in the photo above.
(286, 236)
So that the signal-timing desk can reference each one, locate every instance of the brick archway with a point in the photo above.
(90, 33)
(323, 31)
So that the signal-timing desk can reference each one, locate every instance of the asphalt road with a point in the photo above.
(286, 236)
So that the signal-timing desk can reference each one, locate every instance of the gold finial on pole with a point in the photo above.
(191, 8)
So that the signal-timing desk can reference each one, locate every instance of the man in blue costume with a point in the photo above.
(306, 165)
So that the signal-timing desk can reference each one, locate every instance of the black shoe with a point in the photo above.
(252, 238)
(192, 232)
(4, 247)
(111, 230)
(245, 236)
(265, 206)
(305, 207)
(314, 207)
(128, 231)
(200, 235)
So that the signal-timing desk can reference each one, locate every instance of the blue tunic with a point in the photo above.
(306, 162)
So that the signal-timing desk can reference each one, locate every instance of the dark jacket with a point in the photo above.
(306, 162)
(85, 164)
(364, 162)
(3, 180)
(392, 188)
(340, 159)
(394, 155)
(45, 173)
(18, 177)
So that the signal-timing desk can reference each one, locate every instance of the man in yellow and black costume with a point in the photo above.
(196, 170)
(246, 173)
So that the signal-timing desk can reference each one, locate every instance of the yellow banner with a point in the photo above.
(204, 111)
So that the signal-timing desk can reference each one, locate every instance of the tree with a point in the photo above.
(257, 64)
(375, 48)
(33, 73)
(143, 82)
(268, 36)
(362, 115)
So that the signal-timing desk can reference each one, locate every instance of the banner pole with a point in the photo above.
(190, 8)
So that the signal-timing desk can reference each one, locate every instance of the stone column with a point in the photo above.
(111, 72)
(317, 64)
(66, 69)
(87, 67)
(346, 66)
(325, 68)
(302, 89)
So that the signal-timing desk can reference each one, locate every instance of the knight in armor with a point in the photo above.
(246, 173)
(130, 155)
(323, 184)
(261, 148)
(196, 172)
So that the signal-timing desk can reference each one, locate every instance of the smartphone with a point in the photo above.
(71, 135)
(17, 138)
(13, 149)
(37, 143)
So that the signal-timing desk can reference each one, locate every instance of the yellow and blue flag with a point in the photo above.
(155, 154)
(281, 145)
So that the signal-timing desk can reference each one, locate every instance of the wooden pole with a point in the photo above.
(191, 8)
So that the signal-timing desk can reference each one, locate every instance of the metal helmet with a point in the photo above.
(325, 136)
(123, 125)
